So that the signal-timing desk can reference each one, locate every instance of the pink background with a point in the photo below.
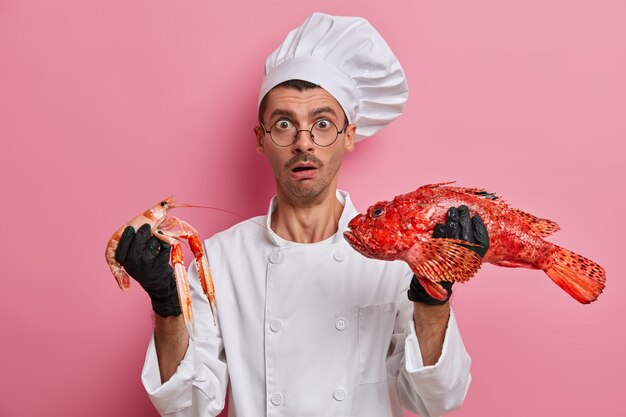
(107, 107)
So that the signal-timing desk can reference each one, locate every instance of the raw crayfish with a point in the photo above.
(170, 230)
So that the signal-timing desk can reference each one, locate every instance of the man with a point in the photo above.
(306, 326)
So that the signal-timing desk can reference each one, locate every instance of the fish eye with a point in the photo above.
(378, 211)
(163, 203)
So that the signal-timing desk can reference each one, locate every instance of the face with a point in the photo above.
(303, 170)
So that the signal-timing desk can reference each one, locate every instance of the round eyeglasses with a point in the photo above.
(323, 132)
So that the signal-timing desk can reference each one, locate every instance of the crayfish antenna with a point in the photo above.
(181, 205)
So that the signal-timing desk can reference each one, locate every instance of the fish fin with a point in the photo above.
(514, 264)
(542, 227)
(437, 184)
(433, 288)
(444, 260)
(580, 277)
(486, 195)
(472, 191)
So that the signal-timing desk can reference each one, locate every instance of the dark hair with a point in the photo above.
(299, 85)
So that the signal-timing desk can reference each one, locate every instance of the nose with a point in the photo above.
(304, 142)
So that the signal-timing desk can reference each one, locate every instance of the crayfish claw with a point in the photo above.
(182, 286)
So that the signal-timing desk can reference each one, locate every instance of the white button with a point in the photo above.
(277, 399)
(340, 324)
(276, 258)
(339, 395)
(275, 325)
(339, 256)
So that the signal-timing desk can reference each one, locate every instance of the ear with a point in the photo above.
(259, 133)
(349, 137)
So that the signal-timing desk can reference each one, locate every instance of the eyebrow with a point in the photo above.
(324, 110)
(282, 112)
(292, 115)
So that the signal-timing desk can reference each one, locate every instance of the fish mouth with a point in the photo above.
(357, 244)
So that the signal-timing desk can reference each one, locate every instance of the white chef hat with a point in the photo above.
(348, 58)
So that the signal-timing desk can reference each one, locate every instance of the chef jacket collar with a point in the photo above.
(346, 215)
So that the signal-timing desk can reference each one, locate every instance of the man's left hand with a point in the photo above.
(459, 225)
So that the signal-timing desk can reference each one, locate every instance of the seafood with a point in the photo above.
(170, 230)
(402, 229)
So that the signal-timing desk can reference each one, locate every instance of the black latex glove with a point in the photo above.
(460, 226)
(146, 259)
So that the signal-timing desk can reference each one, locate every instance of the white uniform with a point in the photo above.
(306, 330)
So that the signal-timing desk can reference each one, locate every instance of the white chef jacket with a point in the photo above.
(306, 330)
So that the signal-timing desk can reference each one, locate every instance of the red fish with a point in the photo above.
(402, 229)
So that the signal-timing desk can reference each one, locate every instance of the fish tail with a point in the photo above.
(580, 277)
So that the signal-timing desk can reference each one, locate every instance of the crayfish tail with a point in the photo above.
(122, 278)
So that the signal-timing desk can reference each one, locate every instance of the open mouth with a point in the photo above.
(303, 171)
(302, 168)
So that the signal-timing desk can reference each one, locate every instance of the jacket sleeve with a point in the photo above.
(198, 387)
(431, 390)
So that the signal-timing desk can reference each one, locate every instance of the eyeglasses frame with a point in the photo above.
(295, 136)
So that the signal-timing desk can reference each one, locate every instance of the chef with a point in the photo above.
(306, 326)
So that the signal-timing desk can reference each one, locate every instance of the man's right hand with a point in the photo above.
(146, 259)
